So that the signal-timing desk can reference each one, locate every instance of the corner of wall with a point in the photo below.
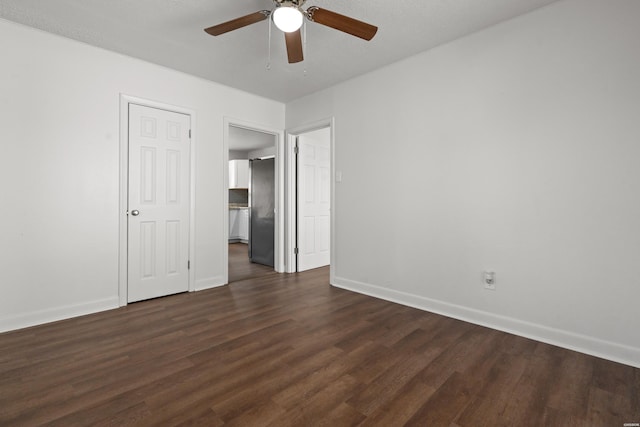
(210, 282)
(561, 338)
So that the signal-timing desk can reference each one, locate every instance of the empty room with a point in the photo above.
(450, 238)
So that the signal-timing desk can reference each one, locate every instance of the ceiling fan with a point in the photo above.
(289, 16)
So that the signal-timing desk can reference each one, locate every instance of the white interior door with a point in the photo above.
(158, 203)
(314, 201)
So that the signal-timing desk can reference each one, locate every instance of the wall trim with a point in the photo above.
(581, 343)
(210, 282)
(55, 314)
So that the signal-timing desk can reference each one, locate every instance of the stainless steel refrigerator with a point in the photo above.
(261, 210)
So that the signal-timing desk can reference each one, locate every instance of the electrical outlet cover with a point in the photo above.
(489, 280)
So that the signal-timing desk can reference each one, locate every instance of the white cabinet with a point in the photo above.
(234, 225)
(239, 173)
(243, 224)
(239, 225)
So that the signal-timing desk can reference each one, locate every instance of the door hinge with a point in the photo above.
(188, 265)
(295, 150)
(295, 251)
(189, 133)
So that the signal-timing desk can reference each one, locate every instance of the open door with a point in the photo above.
(313, 199)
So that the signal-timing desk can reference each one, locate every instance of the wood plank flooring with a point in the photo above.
(290, 350)
(239, 266)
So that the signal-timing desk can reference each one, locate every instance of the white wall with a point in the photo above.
(59, 170)
(515, 149)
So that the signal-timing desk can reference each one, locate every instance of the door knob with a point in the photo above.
(135, 212)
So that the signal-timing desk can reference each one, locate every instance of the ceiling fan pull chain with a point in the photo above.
(304, 46)
(269, 48)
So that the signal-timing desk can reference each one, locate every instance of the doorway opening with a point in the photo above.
(252, 202)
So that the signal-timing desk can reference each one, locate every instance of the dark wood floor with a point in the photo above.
(239, 266)
(290, 350)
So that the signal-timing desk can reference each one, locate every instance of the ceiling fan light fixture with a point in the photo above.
(287, 18)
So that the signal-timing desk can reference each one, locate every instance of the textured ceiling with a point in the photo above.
(170, 33)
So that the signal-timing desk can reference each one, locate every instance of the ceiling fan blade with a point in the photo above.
(342, 23)
(294, 46)
(234, 24)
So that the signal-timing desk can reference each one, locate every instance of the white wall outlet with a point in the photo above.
(489, 278)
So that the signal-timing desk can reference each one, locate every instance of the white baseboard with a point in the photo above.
(25, 320)
(210, 282)
(239, 241)
(34, 318)
(569, 340)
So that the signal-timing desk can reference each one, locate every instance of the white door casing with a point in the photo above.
(314, 201)
(280, 225)
(158, 190)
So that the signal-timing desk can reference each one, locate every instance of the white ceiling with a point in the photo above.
(170, 33)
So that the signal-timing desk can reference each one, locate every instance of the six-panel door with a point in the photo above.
(158, 236)
(314, 186)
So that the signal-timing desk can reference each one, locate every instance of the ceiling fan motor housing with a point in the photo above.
(289, 3)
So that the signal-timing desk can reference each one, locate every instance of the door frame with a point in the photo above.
(279, 238)
(123, 266)
(291, 202)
